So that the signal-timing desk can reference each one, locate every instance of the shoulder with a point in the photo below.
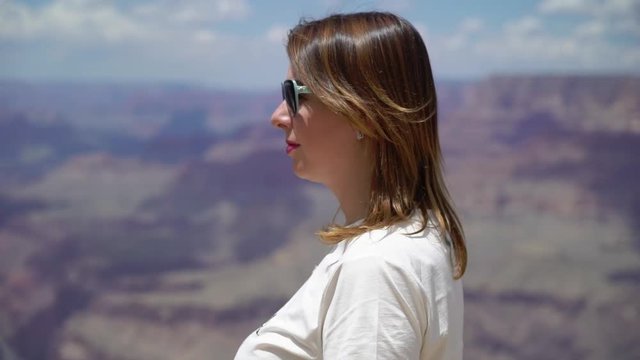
(404, 247)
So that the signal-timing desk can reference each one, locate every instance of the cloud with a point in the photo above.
(192, 11)
(138, 41)
(190, 41)
(423, 30)
(618, 17)
(467, 28)
(527, 45)
(471, 25)
(67, 20)
(523, 26)
(589, 7)
(204, 36)
(395, 5)
(566, 6)
(234, 9)
(277, 34)
(591, 29)
(82, 20)
(598, 42)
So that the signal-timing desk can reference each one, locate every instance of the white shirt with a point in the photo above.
(381, 295)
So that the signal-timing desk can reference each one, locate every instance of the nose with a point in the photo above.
(280, 117)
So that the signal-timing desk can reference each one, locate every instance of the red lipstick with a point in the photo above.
(291, 146)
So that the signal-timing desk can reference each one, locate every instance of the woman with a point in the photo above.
(359, 116)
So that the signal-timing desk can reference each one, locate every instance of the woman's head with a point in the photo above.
(372, 71)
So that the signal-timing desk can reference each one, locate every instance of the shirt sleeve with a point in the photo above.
(374, 310)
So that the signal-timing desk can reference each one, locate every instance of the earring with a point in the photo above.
(359, 135)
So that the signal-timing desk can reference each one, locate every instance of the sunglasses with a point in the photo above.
(291, 91)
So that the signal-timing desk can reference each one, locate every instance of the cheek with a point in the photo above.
(324, 135)
(333, 143)
(340, 135)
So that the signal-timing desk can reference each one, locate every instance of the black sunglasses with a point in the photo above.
(291, 90)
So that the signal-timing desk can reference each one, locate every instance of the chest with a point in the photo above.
(296, 329)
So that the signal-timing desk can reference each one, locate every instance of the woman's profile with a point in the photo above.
(359, 115)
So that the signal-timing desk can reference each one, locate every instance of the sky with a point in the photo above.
(239, 44)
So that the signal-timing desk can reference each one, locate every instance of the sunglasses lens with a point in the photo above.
(289, 95)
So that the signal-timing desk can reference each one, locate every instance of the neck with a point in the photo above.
(353, 196)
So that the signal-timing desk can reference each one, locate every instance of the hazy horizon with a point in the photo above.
(275, 87)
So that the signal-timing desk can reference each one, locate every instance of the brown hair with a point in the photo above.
(373, 69)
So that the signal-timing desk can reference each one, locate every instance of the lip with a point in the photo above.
(291, 146)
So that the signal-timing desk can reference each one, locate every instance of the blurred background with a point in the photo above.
(148, 210)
